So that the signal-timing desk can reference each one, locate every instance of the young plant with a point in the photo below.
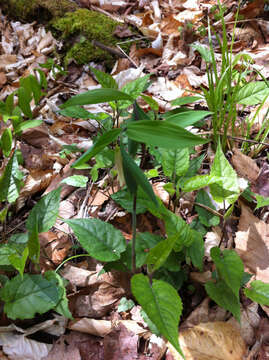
(227, 87)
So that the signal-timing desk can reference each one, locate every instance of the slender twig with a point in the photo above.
(209, 209)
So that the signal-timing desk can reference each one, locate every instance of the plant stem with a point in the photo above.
(134, 235)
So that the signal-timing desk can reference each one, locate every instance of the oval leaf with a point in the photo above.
(162, 305)
(100, 239)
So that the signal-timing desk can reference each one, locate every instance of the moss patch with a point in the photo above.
(41, 10)
(79, 28)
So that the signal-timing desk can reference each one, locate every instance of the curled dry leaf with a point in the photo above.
(252, 244)
(213, 340)
(212, 239)
(245, 166)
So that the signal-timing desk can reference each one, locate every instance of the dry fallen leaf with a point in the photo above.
(210, 341)
(252, 244)
(245, 166)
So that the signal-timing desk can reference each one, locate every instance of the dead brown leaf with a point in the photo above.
(252, 244)
(210, 341)
(245, 166)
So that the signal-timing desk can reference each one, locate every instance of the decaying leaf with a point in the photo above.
(245, 166)
(211, 341)
(252, 244)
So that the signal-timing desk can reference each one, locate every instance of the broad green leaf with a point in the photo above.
(11, 180)
(24, 99)
(29, 124)
(261, 201)
(104, 79)
(100, 239)
(62, 305)
(97, 96)
(32, 87)
(227, 188)
(198, 182)
(77, 112)
(10, 104)
(162, 134)
(252, 93)
(205, 216)
(100, 144)
(230, 268)
(176, 226)
(137, 115)
(125, 200)
(6, 142)
(184, 100)
(135, 177)
(134, 89)
(144, 242)
(187, 118)
(175, 161)
(45, 212)
(161, 303)
(224, 297)
(159, 253)
(76, 180)
(258, 292)
(196, 250)
(25, 297)
(151, 102)
(125, 305)
(19, 261)
(203, 51)
(6, 250)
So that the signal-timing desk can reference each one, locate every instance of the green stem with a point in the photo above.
(134, 235)
(70, 258)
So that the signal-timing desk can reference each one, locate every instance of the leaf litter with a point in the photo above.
(207, 331)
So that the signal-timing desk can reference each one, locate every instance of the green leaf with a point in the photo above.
(33, 243)
(176, 226)
(196, 250)
(6, 250)
(24, 99)
(161, 303)
(62, 305)
(258, 292)
(151, 102)
(230, 268)
(252, 93)
(198, 182)
(76, 180)
(162, 134)
(19, 261)
(100, 239)
(144, 242)
(227, 187)
(97, 96)
(45, 212)
(175, 161)
(261, 201)
(159, 253)
(100, 144)
(77, 112)
(125, 305)
(125, 200)
(11, 180)
(203, 51)
(134, 89)
(25, 297)
(205, 216)
(29, 124)
(184, 100)
(224, 297)
(135, 177)
(104, 79)
(187, 118)
(6, 142)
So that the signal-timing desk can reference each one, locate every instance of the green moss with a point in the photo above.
(79, 28)
(41, 10)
